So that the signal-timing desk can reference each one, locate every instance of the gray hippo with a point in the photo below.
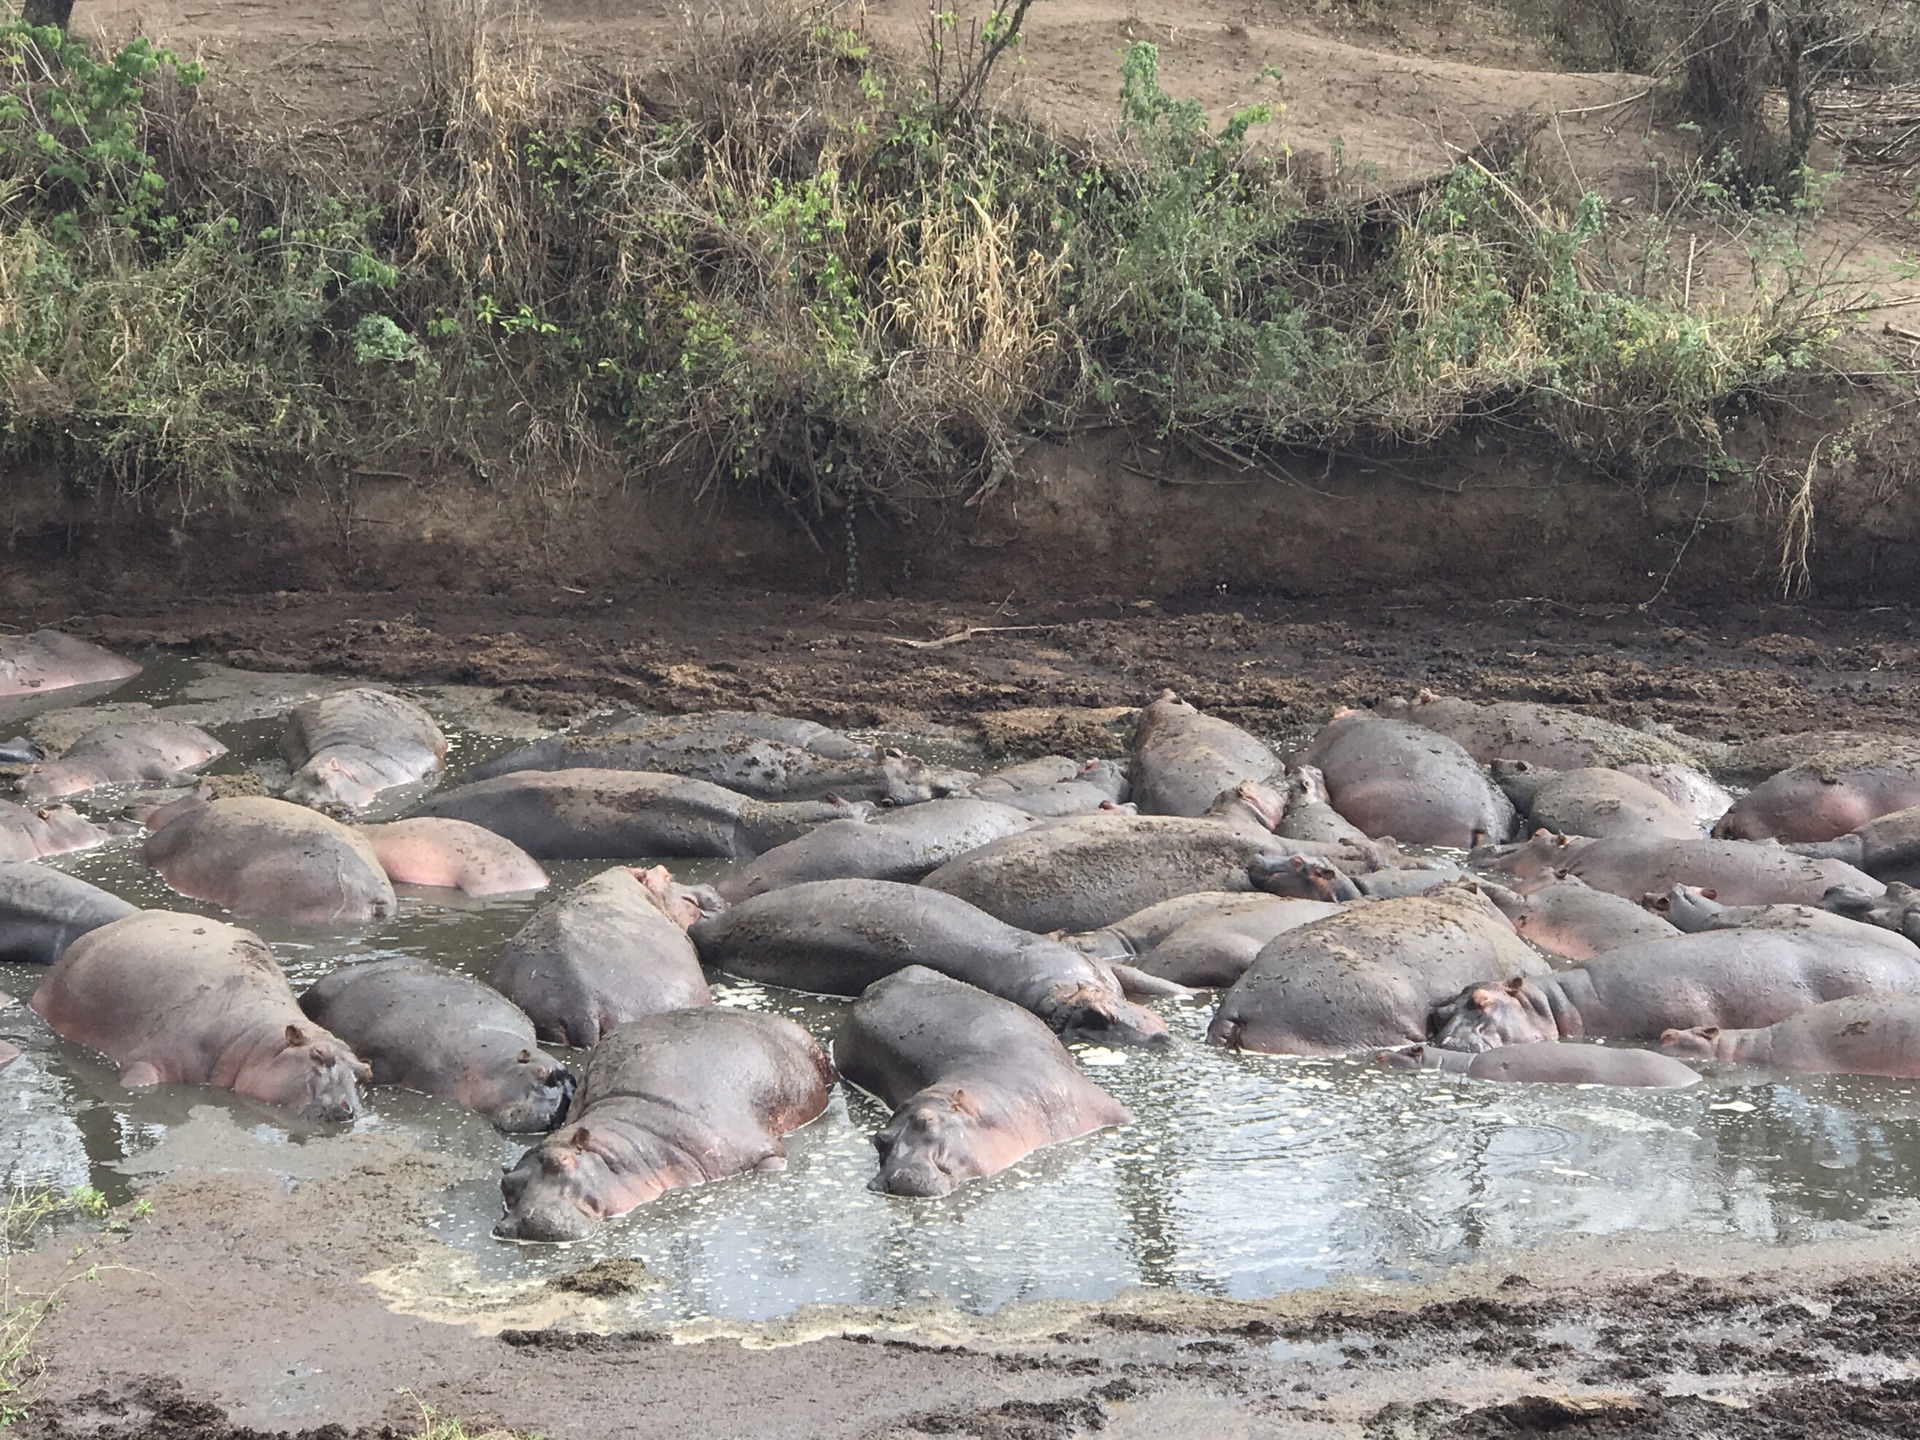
(1097, 785)
(1182, 759)
(1093, 870)
(179, 1000)
(423, 1028)
(453, 855)
(668, 1100)
(1550, 736)
(622, 814)
(767, 757)
(33, 832)
(1898, 909)
(1390, 777)
(1214, 951)
(1571, 919)
(1887, 847)
(1738, 871)
(1027, 777)
(602, 954)
(1596, 802)
(352, 746)
(836, 937)
(903, 844)
(50, 671)
(43, 911)
(1693, 910)
(1134, 935)
(1369, 976)
(1718, 977)
(1830, 794)
(1310, 814)
(1549, 1062)
(1857, 1035)
(258, 856)
(127, 752)
(975, 1082)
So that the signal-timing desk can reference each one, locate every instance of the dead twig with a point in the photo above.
(963, 635)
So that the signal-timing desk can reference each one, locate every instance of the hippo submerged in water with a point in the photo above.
(1393, 778)
(1548, 1062)
(153, 752)
(975, 1082)
(350, 747)
(180, 1000)
(50, 671)
(1183, 759)
(666, 1101)
(257, 856)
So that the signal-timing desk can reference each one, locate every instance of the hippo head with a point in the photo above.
(1300, 877)
(553, 1192)
(1541, 855)
(340, 779)
(1520, 779)
(1106, 776)
(311, 1071)
(1423, 1057)
(928, 1146)
(1699, 1043)
(1685, 907)
(1307, 785)
(910, 780)
(685, 905)
(528, 1097)
(1483, 1017)
(1093, 1015)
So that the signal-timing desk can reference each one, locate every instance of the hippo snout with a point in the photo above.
(920, 1181)
(550, 1224)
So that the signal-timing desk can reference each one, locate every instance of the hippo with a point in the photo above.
(760, 756)
(423, 1028)
(1369, 976)
(1549, 1062)
(1693, 910)
(21, 751)
(32, 832)
(602, 954)
(616, 814)
(1718, 977)
(453, 855)
(1738, 871)
(1594, 802)
(258, 856)
(1571, 919)
(1390, 777)
(1093, 870)
(1182, 759)
(903, 844)
(1886, 847)
(1544, 735)
(50, 671)
(667, 1100)
(1214, 951)
(1310, 814)
(1749, 762)
(43, 911)
(1829, 795)
(1898, 909)
(1098, 785)
(1856, 1035)
(975, 1082)
(127, 752)
(1028, 777)
(176, 999)
(352, 746)
(836, 937)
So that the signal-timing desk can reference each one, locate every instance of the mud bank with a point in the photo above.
(1106, 516)
(276, 1297)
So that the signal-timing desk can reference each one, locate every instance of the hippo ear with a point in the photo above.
(1414, 1052)
(525, 1057)
(1710, 894)
(1298, 862)
(296, 1037)
(1517, 984)
(963, 1102)
(582, 1139)
(1659, 904)
(1710, 1032)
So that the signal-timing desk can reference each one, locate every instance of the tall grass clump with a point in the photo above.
(793, 268)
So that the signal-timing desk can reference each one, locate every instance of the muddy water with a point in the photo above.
(1245, 1175)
